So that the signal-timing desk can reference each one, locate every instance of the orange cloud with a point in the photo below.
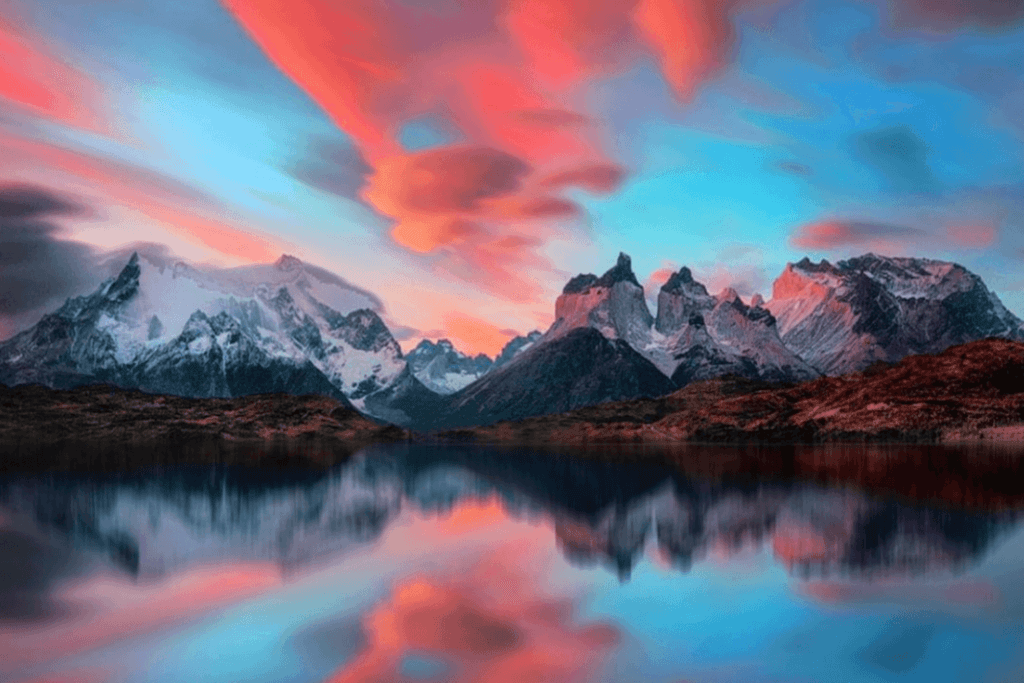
(481, 634)
(653, 283)
(975, 236)
(433, 195)
(693, 38)
(348, 56)
(473, 335)
(510, 77)
(566, 40)
(834, 234)
(42, 84)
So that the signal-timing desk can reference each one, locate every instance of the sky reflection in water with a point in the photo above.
(405, 566)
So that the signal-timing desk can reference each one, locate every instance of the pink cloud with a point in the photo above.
(181, 209)
(974, 236)
(125, 610)
(511, 78)
(42, 84)
(481, 634)
(834, 234)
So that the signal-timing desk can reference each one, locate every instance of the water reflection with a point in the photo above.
(602, 513)
(462, 564)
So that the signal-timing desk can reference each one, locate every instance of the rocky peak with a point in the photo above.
(756, 301)
(424, 347)
(580, 284)
(622, 271)
(842, 318)
(364, 330)
(681, 300)
(613, 304)
(728, 295)
(126, 284)
(805, 264)
(516, 346)
(682, 282)
(287, 263)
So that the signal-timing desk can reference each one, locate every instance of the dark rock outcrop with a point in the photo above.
(580, 368)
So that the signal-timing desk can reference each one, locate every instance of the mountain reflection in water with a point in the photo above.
(462, 564)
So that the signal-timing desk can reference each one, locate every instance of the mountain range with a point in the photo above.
(289, 327)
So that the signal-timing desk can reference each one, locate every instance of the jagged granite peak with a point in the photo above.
(681, 281)
(679, 299)
(516, 346)
(756, 301)
(871, 308)
(443, 368)
(699, 336)
(126, 284)
(728, 295)
(613, 304)
(622, 271)
(580, 283)
(577, 369)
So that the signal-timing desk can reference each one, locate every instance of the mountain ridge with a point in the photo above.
(266, 328)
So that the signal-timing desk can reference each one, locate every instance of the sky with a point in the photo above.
(462, 159)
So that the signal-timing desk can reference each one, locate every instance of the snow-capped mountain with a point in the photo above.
(180, 330)
(843, 317)
(443, 368)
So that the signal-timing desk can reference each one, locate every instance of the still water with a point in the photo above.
(436, 564)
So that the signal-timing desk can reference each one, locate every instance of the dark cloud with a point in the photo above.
(37, 266)
(899, 156)
(335, 168)
(826, 235)
(794, 168)
(949, 15)
(24, 202)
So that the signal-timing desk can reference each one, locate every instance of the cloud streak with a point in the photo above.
(41, 84)
(510, 79)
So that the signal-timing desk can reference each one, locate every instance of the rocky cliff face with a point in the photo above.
(578, 368)
(516, 346)
(843, 317)
(612, 304)
(699, 336)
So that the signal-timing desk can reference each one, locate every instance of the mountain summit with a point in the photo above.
(247, 330)
(842, 317)
(613, 304)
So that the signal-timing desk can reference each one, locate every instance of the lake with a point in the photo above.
(443, 563)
